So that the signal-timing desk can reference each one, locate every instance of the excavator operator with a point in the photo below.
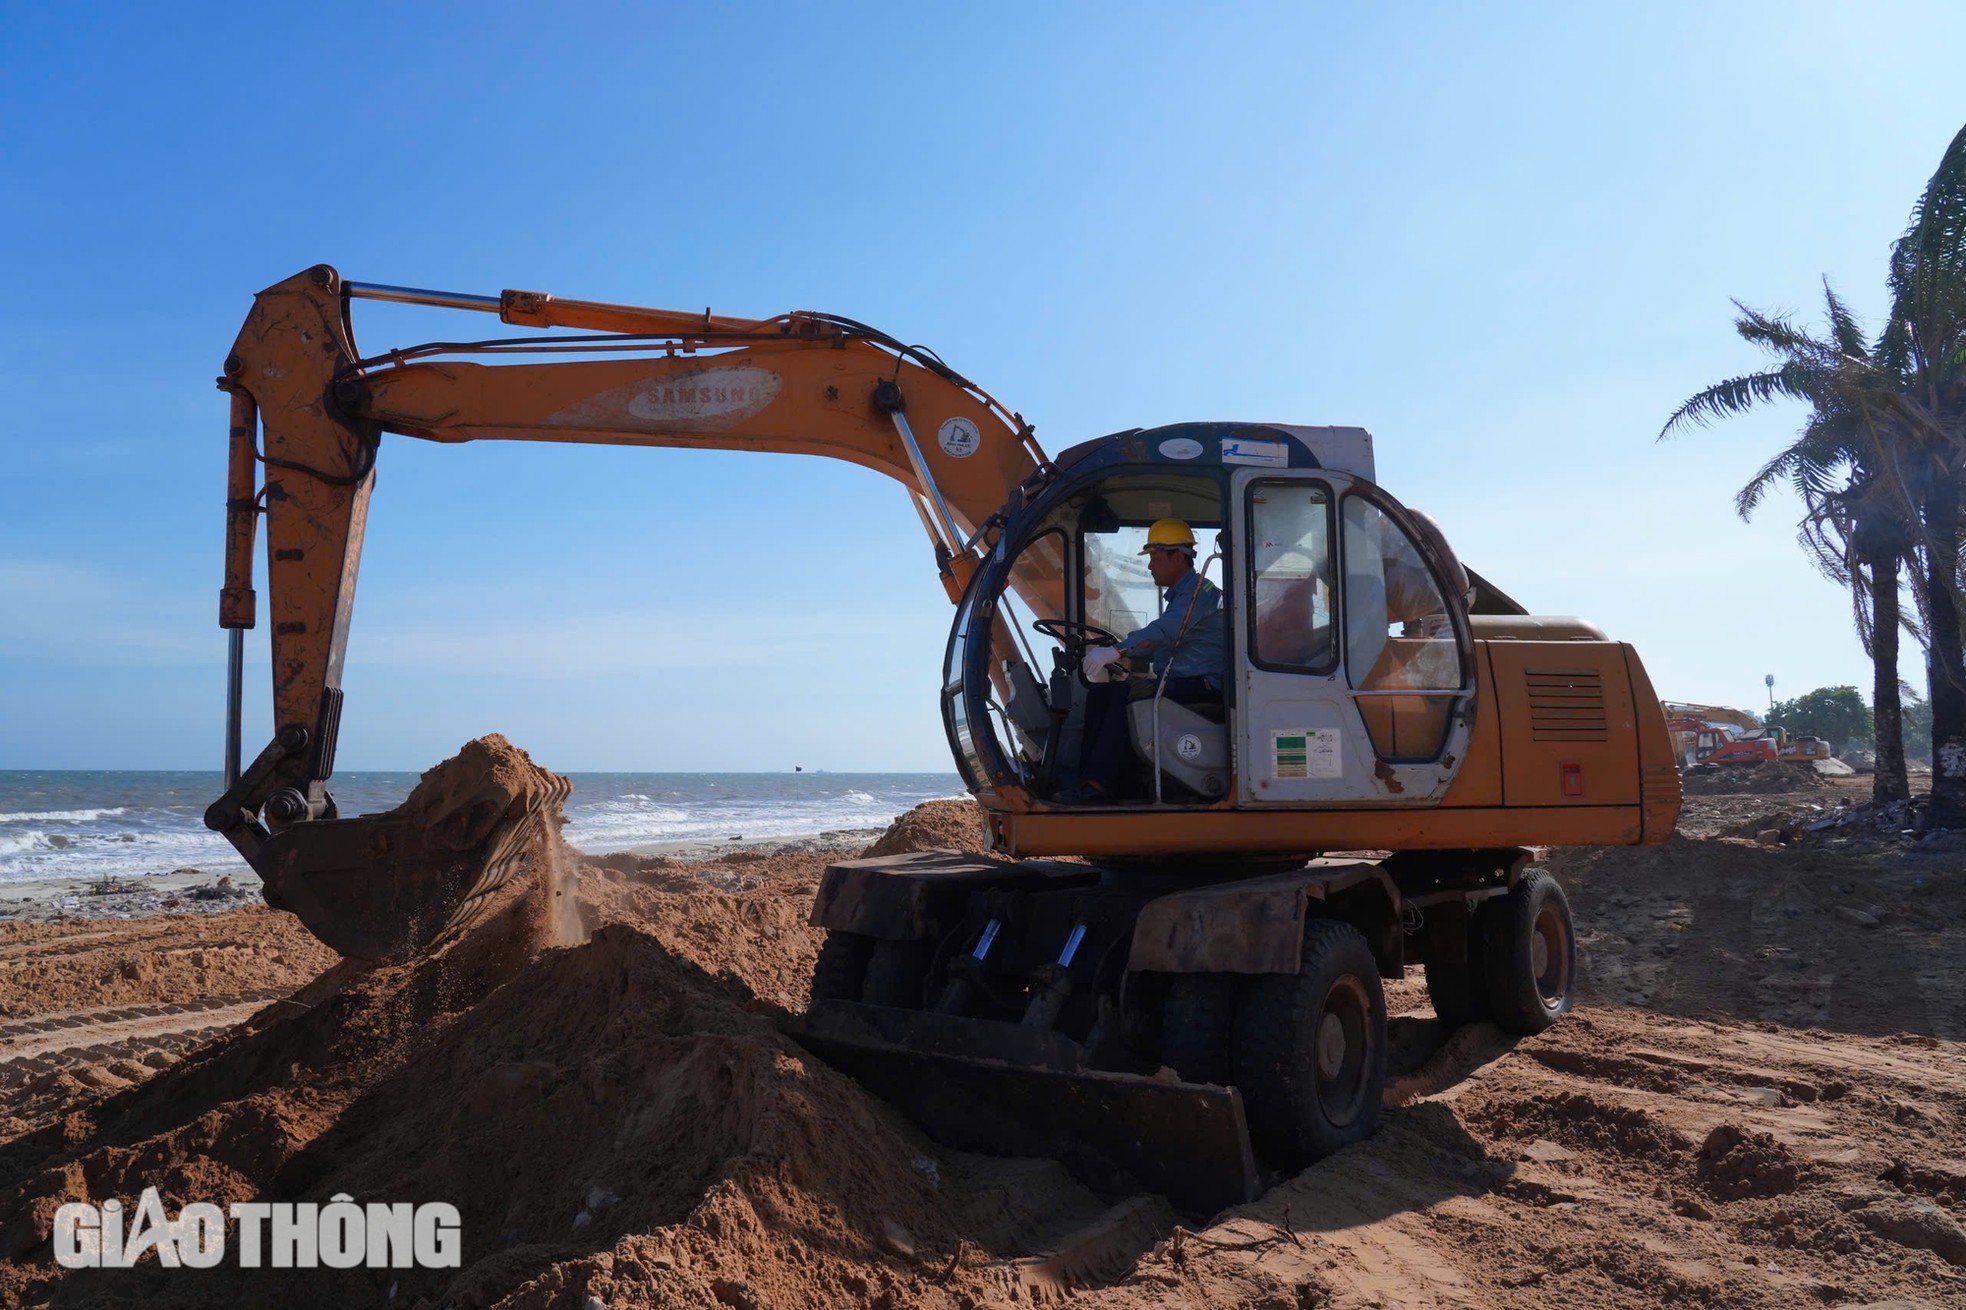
(1184, 645)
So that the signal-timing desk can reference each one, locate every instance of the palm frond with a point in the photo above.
(1844, 329)
(1734, 396)
(1748, 498)
(1928, 271)
(1775, 333)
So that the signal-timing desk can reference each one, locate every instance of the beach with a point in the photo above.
(119, 845)
(1757, 1103)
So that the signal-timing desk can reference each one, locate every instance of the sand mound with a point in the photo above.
(619, 1119)
(955, 825)
(582, 1077)
(1586, 1123)
(1735, 1163)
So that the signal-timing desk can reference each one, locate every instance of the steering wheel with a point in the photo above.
(1077, 638)
(1075, 635)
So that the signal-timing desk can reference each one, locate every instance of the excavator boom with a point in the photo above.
(310, 410)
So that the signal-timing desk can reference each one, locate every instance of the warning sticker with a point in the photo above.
(1305, 753)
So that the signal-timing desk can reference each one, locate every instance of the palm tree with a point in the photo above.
(1852, 527)
(1923, 349)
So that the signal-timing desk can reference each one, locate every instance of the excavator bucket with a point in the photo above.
(388, 885)
(1007, 1089)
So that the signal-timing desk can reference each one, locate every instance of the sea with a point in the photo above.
(126, 825)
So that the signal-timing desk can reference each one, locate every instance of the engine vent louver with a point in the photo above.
(1565, 706)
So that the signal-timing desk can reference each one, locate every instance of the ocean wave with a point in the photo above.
(126, 827)
(13, 843)
(65, 816)
(624, 829)
(103, 856)
(640, 807)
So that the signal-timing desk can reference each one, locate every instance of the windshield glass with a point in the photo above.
(1009, 686)
(1120, 595)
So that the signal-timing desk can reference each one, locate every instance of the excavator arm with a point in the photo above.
(310, 410)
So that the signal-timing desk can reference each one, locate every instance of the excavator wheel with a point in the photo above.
(1529, 955)
(1310, 1048)
(842, 965)
(1196, 1017)
(1459, 988)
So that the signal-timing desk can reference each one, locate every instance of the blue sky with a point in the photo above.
(1504, 238)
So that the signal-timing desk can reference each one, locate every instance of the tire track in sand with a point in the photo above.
(29, 1047)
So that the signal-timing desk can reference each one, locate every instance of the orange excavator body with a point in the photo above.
(1548, 733)
(1374, 696)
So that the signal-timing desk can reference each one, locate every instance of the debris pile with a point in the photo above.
(1751, 779)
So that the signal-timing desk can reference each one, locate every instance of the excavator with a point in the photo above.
(1178, 987)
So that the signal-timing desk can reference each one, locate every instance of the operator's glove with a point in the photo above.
(1102, 664)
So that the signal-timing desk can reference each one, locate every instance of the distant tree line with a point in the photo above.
(1840, 717)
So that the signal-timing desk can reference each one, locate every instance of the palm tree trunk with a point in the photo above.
(1889, 783)
(1945, 669)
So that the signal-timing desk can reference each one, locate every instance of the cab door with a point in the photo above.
(1354, 664)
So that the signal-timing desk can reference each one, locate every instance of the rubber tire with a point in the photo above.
(1275, 1048)
(1521, 1001)
(1196, 1019)
(1457, 988)
(842, 966)
(896, 974)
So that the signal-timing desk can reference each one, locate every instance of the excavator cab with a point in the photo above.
(1350, 671)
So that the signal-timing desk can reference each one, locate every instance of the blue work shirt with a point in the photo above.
(1197, 651)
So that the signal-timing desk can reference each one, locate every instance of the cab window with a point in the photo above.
(1401, 653)
(1120, 595)
(1290, 571)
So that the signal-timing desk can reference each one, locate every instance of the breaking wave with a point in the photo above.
(65, 816)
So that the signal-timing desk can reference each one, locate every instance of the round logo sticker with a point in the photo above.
(1180, 448)
(1189, 747)
(958, 437)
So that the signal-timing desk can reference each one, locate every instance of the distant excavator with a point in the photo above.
(1393, 738)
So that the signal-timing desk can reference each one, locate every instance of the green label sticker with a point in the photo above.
(1305, 753)
(1289, 755)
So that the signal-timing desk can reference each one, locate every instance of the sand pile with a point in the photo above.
(955, 825)
(595, 1093)
(620, 1119)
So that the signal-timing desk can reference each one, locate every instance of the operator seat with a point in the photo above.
(1193, 751)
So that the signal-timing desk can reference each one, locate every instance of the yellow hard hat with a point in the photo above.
(1172, 533)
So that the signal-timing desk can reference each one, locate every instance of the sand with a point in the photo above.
(1761, 1101)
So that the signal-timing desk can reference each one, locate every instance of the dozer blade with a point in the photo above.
(388, 885)
(1003, 1089)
